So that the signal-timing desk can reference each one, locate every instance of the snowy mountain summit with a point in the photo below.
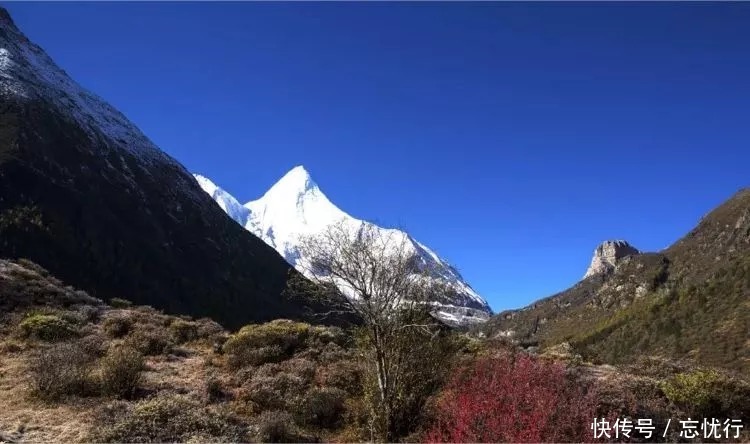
(295, 207)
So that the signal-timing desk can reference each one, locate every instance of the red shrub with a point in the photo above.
(513, 398)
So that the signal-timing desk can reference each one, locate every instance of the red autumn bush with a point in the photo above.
(513, 398)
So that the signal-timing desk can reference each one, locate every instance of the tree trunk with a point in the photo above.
(383, 384)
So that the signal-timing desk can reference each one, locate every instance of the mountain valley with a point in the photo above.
(140, 302)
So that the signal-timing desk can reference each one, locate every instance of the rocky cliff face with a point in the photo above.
(607, 255)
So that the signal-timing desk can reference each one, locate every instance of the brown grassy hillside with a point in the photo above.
(689, 301)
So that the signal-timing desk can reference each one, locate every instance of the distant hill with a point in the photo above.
(89, 197)
(690, 301)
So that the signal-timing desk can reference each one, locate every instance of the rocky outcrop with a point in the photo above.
(607, 255)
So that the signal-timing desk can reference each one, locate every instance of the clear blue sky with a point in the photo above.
(510, 138)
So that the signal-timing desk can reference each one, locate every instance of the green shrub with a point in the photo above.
(322, 407)
(121, 371)
(117, 327)
(172, 418)
(708, 393)
(257, 344)
(120, 303)
(183, 331)
(150, 342)
(277, 340)
(61, 370)
(47, 327)
(696, 388)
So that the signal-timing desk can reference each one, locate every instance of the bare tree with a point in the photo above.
(388, 286)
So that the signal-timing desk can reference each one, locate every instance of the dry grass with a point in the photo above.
(23, 419)
(195, 382)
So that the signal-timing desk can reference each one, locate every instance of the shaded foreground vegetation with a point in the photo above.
(75, 369)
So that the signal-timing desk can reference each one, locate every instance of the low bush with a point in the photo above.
(89, 313)
(277, 426)
(274, 341)
(270, 370)
(256, 356)
(208, 328)
(94, 344)
(282, 391)
(61, 370)
(172, 418)
(117, 327)
(10, 346)
(330, 353)
(78, 317)
(299, 367)
(31, 265)
(357, 422)
(696, 389)
(322, 407)
(513, 398)
(121, 371)
(183, 331)
(257, 344)
(120, 303)
(708, 393)
(150, 342)
(345, 375)
(47, 327)
(214, 390)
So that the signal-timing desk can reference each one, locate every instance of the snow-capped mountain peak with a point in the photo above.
(296, 182)
(295, 207)
(292, 207)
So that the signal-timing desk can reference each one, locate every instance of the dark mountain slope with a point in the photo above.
(690, 301)
(87, 196)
